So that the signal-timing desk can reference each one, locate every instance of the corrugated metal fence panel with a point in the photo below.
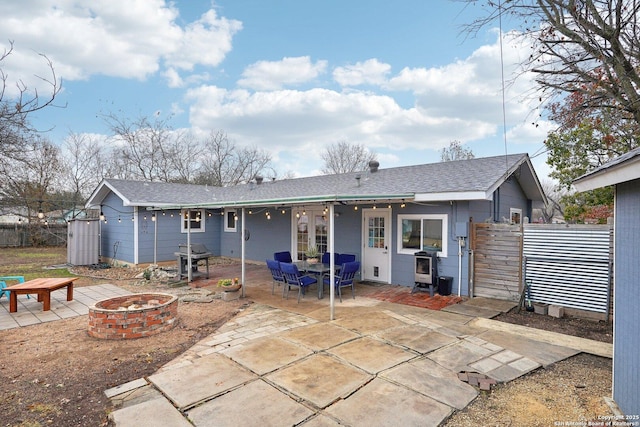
(569, 265)
(497, 260)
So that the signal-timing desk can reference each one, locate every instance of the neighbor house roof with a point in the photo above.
(473, 179)
(621, 169)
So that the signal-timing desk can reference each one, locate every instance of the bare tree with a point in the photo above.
(224, 164)
(84, 165)
(554, 207)
(586, 46)
(29, 182)
(15, 110)
(455, 151)
(343, 157)
(149, 150)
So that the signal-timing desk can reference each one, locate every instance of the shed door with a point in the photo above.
(376, 255)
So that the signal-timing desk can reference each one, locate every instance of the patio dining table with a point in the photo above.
(317, 269)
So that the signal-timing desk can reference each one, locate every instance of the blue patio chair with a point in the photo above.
(293, 277)
(344, 258)
(3, 284)
(326, 258)
(276, 273)
(345, 278)
(283, 257)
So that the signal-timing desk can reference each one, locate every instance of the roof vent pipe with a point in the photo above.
(259, 179)
(358, 179)
(373, 166)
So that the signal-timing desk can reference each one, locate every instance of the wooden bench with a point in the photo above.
(41, 287)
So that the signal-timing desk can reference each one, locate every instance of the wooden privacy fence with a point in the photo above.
(497, 260)
(23, 235)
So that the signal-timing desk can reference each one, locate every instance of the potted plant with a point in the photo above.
(229, 285)
(312, 254)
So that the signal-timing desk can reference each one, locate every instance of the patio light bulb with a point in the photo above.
(402, 205)
(268, 215)
(355, 208)
(283, 211)
(119, 219)
(297, 214)
(101, 216)
(389, 206)
(40, 214)
(153, 217)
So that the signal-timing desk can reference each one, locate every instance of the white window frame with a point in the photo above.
(442, 253)
(201, 226)
(515, 211)
(226, 220)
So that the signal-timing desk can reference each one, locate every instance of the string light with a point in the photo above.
(153, 217)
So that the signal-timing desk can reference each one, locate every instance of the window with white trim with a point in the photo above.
(515, 215)
(192, 220)
(230, 220)
(422, 233)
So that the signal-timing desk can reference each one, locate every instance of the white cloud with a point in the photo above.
(273, 75)
(116, 38)
(370, 72)
(206, 41)
(461, 101)
(173, 78)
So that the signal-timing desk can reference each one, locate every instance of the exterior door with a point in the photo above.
(311, 228)
(376, 256)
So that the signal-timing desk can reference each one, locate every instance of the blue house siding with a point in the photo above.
(266, 236)
(403, 265)
(626, 368)
(348, 231)
(116, 236)
(510, 195)
(168, 236)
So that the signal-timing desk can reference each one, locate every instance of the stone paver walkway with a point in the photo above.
(375, 364)
(30, 310)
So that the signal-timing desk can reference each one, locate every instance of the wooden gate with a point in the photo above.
(497, 260)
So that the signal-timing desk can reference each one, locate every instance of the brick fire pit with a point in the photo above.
(133, 316)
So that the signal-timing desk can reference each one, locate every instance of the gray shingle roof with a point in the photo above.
(443, 179)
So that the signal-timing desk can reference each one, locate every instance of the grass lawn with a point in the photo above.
(33, 262)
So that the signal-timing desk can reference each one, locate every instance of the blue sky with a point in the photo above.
(290, 77)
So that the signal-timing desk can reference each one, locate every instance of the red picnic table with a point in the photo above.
(42, 287)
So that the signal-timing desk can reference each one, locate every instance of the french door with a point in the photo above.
(311, 229)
